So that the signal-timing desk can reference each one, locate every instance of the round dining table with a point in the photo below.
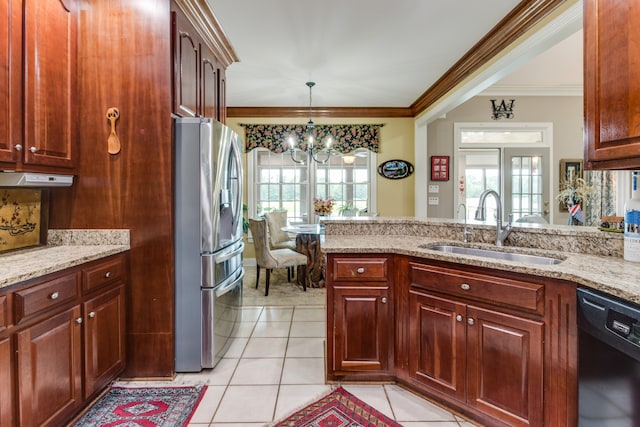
(308, 242)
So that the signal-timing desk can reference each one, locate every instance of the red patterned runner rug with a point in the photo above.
(144, 407)
(338, 409)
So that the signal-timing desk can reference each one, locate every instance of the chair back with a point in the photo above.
(263, 253)
(275, 221)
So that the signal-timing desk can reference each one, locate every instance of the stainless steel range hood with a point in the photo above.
(32, 179)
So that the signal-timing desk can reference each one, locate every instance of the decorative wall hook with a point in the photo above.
(113, 142)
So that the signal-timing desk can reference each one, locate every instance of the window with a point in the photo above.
(277, 182)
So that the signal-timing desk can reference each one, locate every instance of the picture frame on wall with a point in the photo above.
(570, 170)
(440, 166)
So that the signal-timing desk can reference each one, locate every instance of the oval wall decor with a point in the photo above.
(395, 169)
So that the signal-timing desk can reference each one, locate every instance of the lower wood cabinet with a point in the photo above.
(496, 346)
(6, 379)
(104, 340)
(68, 333)
(360, 320)
(49, 369)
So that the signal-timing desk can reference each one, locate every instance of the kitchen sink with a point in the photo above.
(495, 254)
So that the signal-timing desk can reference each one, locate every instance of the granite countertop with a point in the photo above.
(64, 249)
(600, 266)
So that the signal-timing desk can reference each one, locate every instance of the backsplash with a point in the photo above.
(22, 218)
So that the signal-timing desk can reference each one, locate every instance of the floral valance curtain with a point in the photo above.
(347, 138)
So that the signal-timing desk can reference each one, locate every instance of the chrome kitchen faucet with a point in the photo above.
(501, 234)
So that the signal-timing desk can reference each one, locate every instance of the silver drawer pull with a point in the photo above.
(54, 295)
(459, 318)
(465, 287)
(470, 321)
(92, 314)
(384, 300)
(18, 147)
(33, 149)
(79, 320)
(107, 274)
(360, 270)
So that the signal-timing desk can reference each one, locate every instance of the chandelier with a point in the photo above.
(312, 150)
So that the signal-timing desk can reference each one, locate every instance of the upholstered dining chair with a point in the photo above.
(278, 239)
(269, 259)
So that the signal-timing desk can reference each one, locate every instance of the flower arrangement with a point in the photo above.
(323, 207)
(572, 195)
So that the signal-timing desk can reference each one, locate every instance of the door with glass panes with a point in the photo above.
(526, 186)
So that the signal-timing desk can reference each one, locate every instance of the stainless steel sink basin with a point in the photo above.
(488, 253)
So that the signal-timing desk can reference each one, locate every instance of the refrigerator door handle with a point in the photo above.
(228, 284)
(229, 253)
(237, 156)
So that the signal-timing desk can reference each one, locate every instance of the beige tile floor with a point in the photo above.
(276, 365)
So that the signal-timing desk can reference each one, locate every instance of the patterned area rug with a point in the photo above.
(144, 407)
(338, 409)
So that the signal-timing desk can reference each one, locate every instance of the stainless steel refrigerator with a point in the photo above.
(208, 241)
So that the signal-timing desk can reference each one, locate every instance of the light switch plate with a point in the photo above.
(434, 200)
(434, 188)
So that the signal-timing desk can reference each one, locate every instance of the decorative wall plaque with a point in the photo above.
(395, 169)
(440, 168)
(21, 218)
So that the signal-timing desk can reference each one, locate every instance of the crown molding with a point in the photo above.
(372, 112)
(521, 19)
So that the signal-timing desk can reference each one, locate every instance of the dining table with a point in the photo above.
(309, 242)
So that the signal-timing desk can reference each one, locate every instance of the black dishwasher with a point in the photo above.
(609, 361)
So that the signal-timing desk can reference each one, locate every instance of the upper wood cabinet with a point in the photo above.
(198, 73)
(10, 80)
(612, 84)
(38, 109)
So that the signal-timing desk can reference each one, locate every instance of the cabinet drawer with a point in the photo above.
(47, 295)
(492, 289)
(103, 274)
(360, 269)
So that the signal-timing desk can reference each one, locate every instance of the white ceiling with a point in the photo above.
(366, 53)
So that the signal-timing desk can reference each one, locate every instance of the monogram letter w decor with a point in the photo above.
(502, 110)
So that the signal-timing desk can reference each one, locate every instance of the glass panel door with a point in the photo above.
(526, 174)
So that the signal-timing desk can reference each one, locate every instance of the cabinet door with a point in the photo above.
(505, 366)
(49, 369)
(186, 65)
(50, 82)
(612, 84)
(209, 88)
(437, 342)
(10, 80)
(104, 339)
(6, 390)
(362, 327)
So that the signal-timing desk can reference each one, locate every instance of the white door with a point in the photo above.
(526, 184)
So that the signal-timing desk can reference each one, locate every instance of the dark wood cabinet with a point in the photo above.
(104, 339)
(38, 118)
(611, 84)
(196, 72)
(49, 369)
(10, 80)
(359, 318)
(68, 329)
(6, 379)
(505, 366)
(437, 343)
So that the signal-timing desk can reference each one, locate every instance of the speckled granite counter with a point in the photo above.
(591, 257)
(64, 249)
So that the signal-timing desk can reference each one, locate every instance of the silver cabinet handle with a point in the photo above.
(459, 318)
(470, 321)
(54, 295)
(465, 287)
(360, 270)
(79, 320)
(33, 149)
(18, 147)
(107, 274)
(384, 300)
(92, 314)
